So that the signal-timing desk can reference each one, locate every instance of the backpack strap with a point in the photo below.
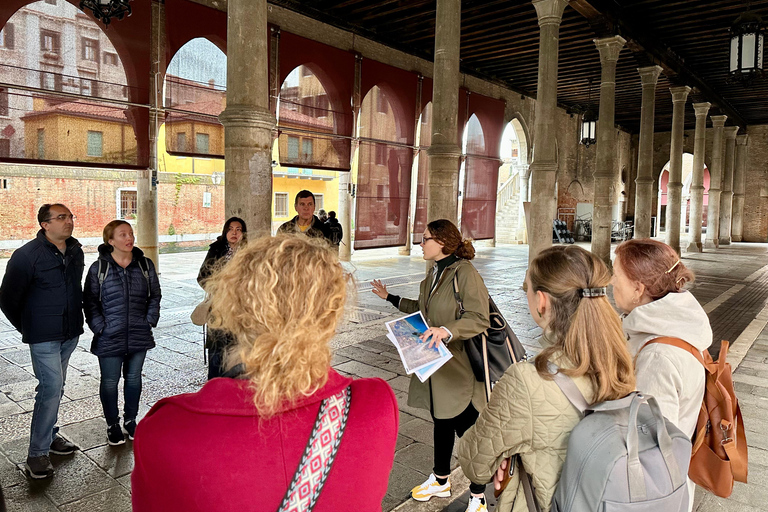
(569, 388)
(144, 266)
(677, 342)
(319, 454)
(102, 274)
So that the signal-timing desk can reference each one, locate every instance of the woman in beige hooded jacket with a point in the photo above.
(648, 287)
(528, 415)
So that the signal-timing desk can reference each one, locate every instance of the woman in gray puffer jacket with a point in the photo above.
(122, 304)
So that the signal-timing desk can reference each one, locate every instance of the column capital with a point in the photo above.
(741, 140)
(731, 131)
(549, 12)
(701, 109)
(609, 48)
(649, 75)
(718, 121)
(680, 93)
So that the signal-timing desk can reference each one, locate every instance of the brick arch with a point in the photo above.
(526, 132)
(198, 21)
(334, 68)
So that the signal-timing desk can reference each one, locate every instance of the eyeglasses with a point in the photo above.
(61, 217)
(426, 239)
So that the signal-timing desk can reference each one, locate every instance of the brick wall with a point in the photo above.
(756, 193)
(92, 194)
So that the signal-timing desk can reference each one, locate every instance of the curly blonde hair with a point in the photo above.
(281, 298)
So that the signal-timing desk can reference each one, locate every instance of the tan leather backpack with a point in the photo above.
(719, 454)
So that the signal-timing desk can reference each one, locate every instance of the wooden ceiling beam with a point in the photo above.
(609, 19)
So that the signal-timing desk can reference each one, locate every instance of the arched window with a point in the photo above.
(685, 206)
(67, 90)
(384, 172)
(195, 93)
(307, 125)
(479, 174)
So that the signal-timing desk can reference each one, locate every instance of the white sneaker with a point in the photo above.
(475, 505)
(431, 488)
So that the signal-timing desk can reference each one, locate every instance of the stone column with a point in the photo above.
(726, 197)
(675, 183)
(715, 180)
(644, 191)
(444, 153)
(146, 183)
(605, 160)
(697, 178)
(248, 122)
(544, 165)
(739, 186)
(522, 231)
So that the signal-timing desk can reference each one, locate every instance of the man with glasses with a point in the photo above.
(42, 297)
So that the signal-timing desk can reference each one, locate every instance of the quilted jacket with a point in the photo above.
(451, 388)
(121, 314)
(530, 416)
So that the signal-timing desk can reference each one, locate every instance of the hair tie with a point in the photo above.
(591, 293)
(672, 267)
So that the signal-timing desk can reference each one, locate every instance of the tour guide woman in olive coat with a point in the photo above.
(452, 395)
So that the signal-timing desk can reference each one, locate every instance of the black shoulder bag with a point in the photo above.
(493, 351)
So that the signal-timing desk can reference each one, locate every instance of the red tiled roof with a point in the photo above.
(296, 118)
(112, 113)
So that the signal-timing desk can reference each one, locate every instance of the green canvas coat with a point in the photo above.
(451, 388)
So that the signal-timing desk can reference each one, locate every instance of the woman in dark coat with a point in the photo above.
(122, 304)
(233, 236)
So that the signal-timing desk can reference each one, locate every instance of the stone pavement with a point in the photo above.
(731, 285)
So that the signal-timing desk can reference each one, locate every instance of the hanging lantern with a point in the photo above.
(589, 122)
(746, 61)
(589, 128)
(105, 10)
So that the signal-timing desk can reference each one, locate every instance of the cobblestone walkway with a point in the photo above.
(98, 477)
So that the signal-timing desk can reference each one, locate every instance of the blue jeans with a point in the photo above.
(131, 366)
(50, 360)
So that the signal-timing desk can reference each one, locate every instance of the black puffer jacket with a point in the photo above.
(213, 260)
(41, 294)
(216, 251)
(123, 318)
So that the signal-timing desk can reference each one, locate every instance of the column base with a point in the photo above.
(711, 244)
(403, 251)
(694, 247)
(736, 238)
(724, 241)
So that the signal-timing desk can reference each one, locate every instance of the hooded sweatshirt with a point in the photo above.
(668, 373)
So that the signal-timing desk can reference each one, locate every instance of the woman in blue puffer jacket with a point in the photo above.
(122, 304)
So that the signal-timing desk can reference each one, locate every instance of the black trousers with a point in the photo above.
(445, 433)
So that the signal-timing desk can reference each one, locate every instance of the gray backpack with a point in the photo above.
(622, 456)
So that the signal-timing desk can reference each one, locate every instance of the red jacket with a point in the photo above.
(208, 451)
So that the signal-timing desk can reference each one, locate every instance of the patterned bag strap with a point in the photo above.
(319, 454)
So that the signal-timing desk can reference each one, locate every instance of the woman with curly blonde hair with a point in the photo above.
(237, 443)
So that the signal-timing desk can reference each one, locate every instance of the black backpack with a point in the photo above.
(336, 233)
(104, 270)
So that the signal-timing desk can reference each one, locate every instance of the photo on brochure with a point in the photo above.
(415, 353)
